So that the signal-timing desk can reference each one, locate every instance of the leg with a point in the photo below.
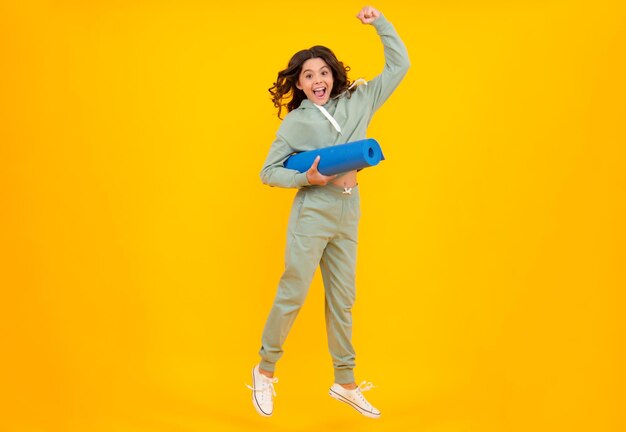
(338, 272)
(292, 290)
(306, 240)
(338, 267)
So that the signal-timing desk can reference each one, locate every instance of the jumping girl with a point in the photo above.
(324, 109)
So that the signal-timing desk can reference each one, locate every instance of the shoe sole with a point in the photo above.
(254, 401)
(340, 398)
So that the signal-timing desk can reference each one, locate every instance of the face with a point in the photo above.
(316, 80)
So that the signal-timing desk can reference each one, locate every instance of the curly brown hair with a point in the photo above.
(284, 92)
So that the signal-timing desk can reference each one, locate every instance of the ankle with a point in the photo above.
(266, 373)
(350, 386)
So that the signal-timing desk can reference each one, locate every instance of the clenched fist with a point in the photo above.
(368, 15)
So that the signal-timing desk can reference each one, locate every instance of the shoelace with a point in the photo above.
(365, 386)
(268, 382)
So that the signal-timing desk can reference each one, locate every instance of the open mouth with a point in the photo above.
(319, 92)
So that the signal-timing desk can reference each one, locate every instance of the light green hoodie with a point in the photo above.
(306, 127)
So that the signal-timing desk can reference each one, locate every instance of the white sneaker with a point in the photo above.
(262, 392)
(355, 398)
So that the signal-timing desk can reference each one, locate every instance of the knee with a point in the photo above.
(290, 301)
(292, 295)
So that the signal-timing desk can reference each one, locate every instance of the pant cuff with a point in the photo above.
(267, 366)
(344, 376)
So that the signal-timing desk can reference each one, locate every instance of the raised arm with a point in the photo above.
(396, 57)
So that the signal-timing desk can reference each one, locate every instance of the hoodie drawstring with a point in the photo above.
(330, 118)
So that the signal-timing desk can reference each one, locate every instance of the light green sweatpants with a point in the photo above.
(322, 231)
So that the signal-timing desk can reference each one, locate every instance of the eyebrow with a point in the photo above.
(311, 70)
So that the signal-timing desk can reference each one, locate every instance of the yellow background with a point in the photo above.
(140, 252)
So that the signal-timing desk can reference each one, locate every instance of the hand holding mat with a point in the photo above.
(339, 158)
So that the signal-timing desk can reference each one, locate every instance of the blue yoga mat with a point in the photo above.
(339, 158)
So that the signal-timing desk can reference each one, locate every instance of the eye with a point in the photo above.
(308, 76)
(325, 73)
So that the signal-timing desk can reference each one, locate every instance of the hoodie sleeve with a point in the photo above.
(274, 173)
(397, 64)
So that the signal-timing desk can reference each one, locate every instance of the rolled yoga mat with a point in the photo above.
(339, 158)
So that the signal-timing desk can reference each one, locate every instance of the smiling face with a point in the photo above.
(316, 80)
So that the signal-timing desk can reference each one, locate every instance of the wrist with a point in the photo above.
(302, 179)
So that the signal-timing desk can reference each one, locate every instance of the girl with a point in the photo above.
(323, 110)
